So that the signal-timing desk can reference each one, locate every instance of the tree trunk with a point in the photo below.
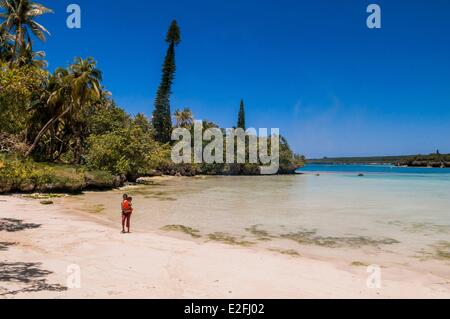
(51, 147)
(43, 131)
(78, 152)
(16, 44)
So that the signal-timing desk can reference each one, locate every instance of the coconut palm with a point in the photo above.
(71, 91)
(28, 57)
(6, 48)
(184, 118)
(19, 18)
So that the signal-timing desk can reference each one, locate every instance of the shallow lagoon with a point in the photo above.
(380, 218)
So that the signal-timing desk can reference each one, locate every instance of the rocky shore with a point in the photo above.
(424, 163)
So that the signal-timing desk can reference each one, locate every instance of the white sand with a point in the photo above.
(148, 265)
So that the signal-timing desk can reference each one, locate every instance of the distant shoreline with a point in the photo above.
(433, 160)
(375, 160)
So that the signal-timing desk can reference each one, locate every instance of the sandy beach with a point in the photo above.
(41, 246)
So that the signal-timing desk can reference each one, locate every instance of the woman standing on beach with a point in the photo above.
(127, 210)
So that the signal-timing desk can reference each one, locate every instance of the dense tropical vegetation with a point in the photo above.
(62, 130)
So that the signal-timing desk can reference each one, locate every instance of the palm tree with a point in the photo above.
(72, 91)
(85, 90)
(6, 48)
(18, 16)
(28, 57)
(184, 118)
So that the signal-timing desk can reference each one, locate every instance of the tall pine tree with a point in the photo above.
(241, 118)
(162, 120)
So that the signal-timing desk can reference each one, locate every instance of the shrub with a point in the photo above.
(18, 174)
(130, 151)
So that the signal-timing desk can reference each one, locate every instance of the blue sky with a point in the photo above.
(311, 68)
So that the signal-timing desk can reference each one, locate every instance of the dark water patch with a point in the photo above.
(95, 209)
(425, 227)
(161, 198)
(153, 194)
(48, 196)
(359, 264)
(260, 234)
(442, 250)
(312, 238)
(136, 192)
(30, 275)
(166, 199)
(422, 228)
(182, 229)
(230, 239)
(11, 225)
(288, 252)
(145, 191)
(439, 251)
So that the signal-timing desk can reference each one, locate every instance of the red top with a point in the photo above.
(126, 207)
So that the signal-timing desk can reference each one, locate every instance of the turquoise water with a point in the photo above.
(390, 215)
(374, 169)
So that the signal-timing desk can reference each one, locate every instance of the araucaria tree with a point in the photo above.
(162, 121)
(241, 118)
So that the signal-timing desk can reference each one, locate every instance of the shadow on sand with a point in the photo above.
(4, 246)
(14, 225)
(31, 275)
(27, 277)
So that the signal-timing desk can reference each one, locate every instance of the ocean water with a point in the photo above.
(374, 169)
(389, 215)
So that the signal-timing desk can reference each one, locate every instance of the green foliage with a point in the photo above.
(131, 151)
(107, 152)
(184, 118)
(25, 175)
(6, 47)
(19, 89)
(358, 160)
(71, 92)
(241, 118)
(143, 122)
(289, 161)
(105, 120)
(68, 117)
(433, 160)
(18, 18)
(162, 120)
(173, 35)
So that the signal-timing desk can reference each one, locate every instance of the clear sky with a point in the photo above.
(311, 68)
